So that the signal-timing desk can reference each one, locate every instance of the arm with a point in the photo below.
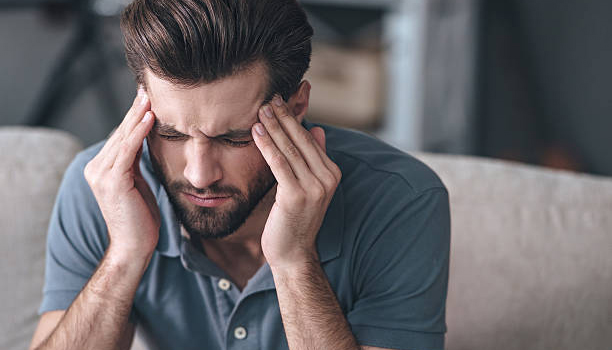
(307, 180)
(98, 316)
(108, 289)
(49, 320)
(308, 308)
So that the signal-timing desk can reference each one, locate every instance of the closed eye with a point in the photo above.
(226, 141)
(236, 143)
(172, 137)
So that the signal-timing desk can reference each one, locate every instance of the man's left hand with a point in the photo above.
(307, 180)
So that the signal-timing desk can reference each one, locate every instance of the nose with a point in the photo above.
(202, 167)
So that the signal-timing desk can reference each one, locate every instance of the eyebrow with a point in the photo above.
(169, 129)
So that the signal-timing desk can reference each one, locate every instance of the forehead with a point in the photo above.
(212, 108)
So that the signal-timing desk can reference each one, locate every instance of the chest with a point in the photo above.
(237, 264)
(239, 271)
(182, 304)
(190, 309)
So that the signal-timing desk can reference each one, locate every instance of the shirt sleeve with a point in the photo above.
(76, 238)
(401, 279)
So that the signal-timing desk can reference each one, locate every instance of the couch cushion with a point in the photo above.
(531, 256)
(33, 161)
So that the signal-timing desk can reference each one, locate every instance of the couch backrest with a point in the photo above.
(531, 256)
(32, 162)
(531, 250)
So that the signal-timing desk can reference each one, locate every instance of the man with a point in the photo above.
(216, 217)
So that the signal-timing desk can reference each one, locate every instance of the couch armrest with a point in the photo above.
(33, 161)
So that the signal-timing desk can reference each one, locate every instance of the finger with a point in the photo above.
(285, 144)
(140, 105)
(277, 161)
(303, 139)
(319, 134)
(110, 150)
(142, 186)
(136, 162)
(129, 146)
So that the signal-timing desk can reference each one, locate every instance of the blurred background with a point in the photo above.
(514, 79)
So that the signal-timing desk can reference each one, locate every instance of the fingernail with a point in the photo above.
(146, 117)
(277, 100)
(268, 111)
(259, 129)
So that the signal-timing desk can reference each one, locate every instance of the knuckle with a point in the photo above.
(124, 146)
(317, 191)
(89, 172)
(92, 181)
(307, 136)
(272, 125)
(298, 199)
(292, 151)
(277, 159)
(336, 172)
(282, 114)
(111, 186)
(329, 179)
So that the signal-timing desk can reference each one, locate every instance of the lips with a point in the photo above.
(208, 201)
(203, 198)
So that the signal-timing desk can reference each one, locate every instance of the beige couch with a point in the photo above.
(531, 257)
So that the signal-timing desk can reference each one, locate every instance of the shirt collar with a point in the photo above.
(329, 238)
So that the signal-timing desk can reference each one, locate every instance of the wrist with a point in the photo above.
(122, 255)
(295, 266)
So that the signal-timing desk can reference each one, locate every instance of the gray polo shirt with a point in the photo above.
(384, 246)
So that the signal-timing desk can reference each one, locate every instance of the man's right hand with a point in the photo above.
(98, 317)
(127, 204)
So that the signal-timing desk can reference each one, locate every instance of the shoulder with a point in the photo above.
(75, 170)
(76, 219)
(386, 195)
(367, 161)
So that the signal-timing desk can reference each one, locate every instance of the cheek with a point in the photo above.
(245, 162)
(169, 156)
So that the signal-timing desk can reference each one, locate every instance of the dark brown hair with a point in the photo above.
(192, 42)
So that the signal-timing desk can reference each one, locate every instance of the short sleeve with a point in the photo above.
(401, 279)
(76, 238)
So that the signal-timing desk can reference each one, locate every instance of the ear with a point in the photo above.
(298, 102)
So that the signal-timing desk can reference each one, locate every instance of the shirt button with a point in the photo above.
(224, 284)
(240, 333)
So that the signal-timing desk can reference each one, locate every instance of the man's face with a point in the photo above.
(203, 152)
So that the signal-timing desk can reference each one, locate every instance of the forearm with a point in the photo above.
(310, 311)
(98, 316)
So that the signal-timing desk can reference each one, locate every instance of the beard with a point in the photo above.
(207, 222)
